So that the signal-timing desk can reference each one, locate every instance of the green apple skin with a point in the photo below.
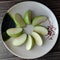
(38, 38)
(39, 19)
(14, 32)
(30, 43)
(17, 18)
(18, 41)
(41, 30)
(27, 17)
(20, 22)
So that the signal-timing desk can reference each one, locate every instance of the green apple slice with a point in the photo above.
(38, 38)
(14, 32)
(27, 17)
(30, 43)
(20, 20)
(19, 40)
(17, 18)
(41, 30)
(39, 19)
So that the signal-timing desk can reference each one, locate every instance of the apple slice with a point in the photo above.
(19, 40)
(41, 30)
(27, 17)
(17, 18)
(30, 43)
(14, 32)
(20, 20)
(38, 38)
(39, 19)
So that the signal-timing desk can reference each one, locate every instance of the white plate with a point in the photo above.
(38, 9)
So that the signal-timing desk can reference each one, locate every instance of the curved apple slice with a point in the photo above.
(41, 30)
(30, 43)
(38, 38)
(27, 17)
(19, 40)
(17, 18)
(14, 32)
(39, 19)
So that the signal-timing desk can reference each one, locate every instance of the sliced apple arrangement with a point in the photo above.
(21, 37)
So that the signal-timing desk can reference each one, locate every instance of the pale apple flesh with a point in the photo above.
(30, 43)
(27, 17)
(14, 32)
(17, 18)
(38, 38)
(19, 40)
(39, 19)
(41, 30)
